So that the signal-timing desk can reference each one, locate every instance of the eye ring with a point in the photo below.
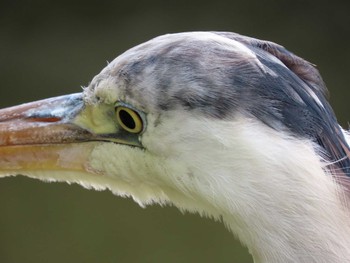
(129, 119)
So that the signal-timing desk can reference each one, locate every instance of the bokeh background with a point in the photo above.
(49, 48)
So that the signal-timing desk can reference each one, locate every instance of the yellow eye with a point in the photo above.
(129, 119)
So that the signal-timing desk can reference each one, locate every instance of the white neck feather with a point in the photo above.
(271, 190)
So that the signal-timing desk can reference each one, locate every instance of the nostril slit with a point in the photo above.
(45, 119)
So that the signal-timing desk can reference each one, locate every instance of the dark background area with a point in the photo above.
(51, 48)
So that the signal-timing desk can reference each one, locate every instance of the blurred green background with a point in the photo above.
(51, 48)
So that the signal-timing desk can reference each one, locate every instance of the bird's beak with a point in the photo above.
(49, 134)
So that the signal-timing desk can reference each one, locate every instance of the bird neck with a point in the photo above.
(274, 194)
(287, 217)
(287, 212)
(293, 233)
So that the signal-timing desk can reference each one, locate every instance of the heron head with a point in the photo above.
(184, 118)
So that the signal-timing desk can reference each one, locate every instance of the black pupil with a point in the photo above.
(127, 120)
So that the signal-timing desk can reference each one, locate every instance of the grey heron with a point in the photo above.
(214, 123)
